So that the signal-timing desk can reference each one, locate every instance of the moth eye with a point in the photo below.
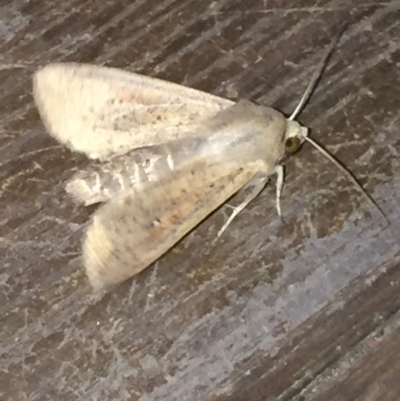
(292, 145)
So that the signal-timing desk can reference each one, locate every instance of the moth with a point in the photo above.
(167, 156)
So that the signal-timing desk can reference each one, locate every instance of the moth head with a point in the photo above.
(294, 137)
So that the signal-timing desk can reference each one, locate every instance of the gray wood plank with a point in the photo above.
(302, 310)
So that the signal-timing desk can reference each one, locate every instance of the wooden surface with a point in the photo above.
(307, 310)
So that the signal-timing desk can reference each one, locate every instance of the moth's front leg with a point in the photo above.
(250, 191)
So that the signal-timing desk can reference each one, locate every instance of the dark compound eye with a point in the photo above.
(292, 145)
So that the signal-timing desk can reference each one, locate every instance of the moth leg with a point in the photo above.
(280, 172)
(255, 186)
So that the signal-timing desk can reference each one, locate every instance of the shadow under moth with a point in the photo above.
(170, 155)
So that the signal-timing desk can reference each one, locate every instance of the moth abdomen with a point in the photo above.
(103, 181)
(96, 185)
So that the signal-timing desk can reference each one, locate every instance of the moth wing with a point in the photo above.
(132, 231)
(105, 111)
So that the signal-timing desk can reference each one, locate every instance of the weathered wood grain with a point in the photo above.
(307, 310)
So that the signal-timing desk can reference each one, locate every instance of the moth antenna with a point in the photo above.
(348, 174)
(316, 76)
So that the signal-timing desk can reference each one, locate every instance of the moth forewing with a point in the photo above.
(133, 230)
(104, 111)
